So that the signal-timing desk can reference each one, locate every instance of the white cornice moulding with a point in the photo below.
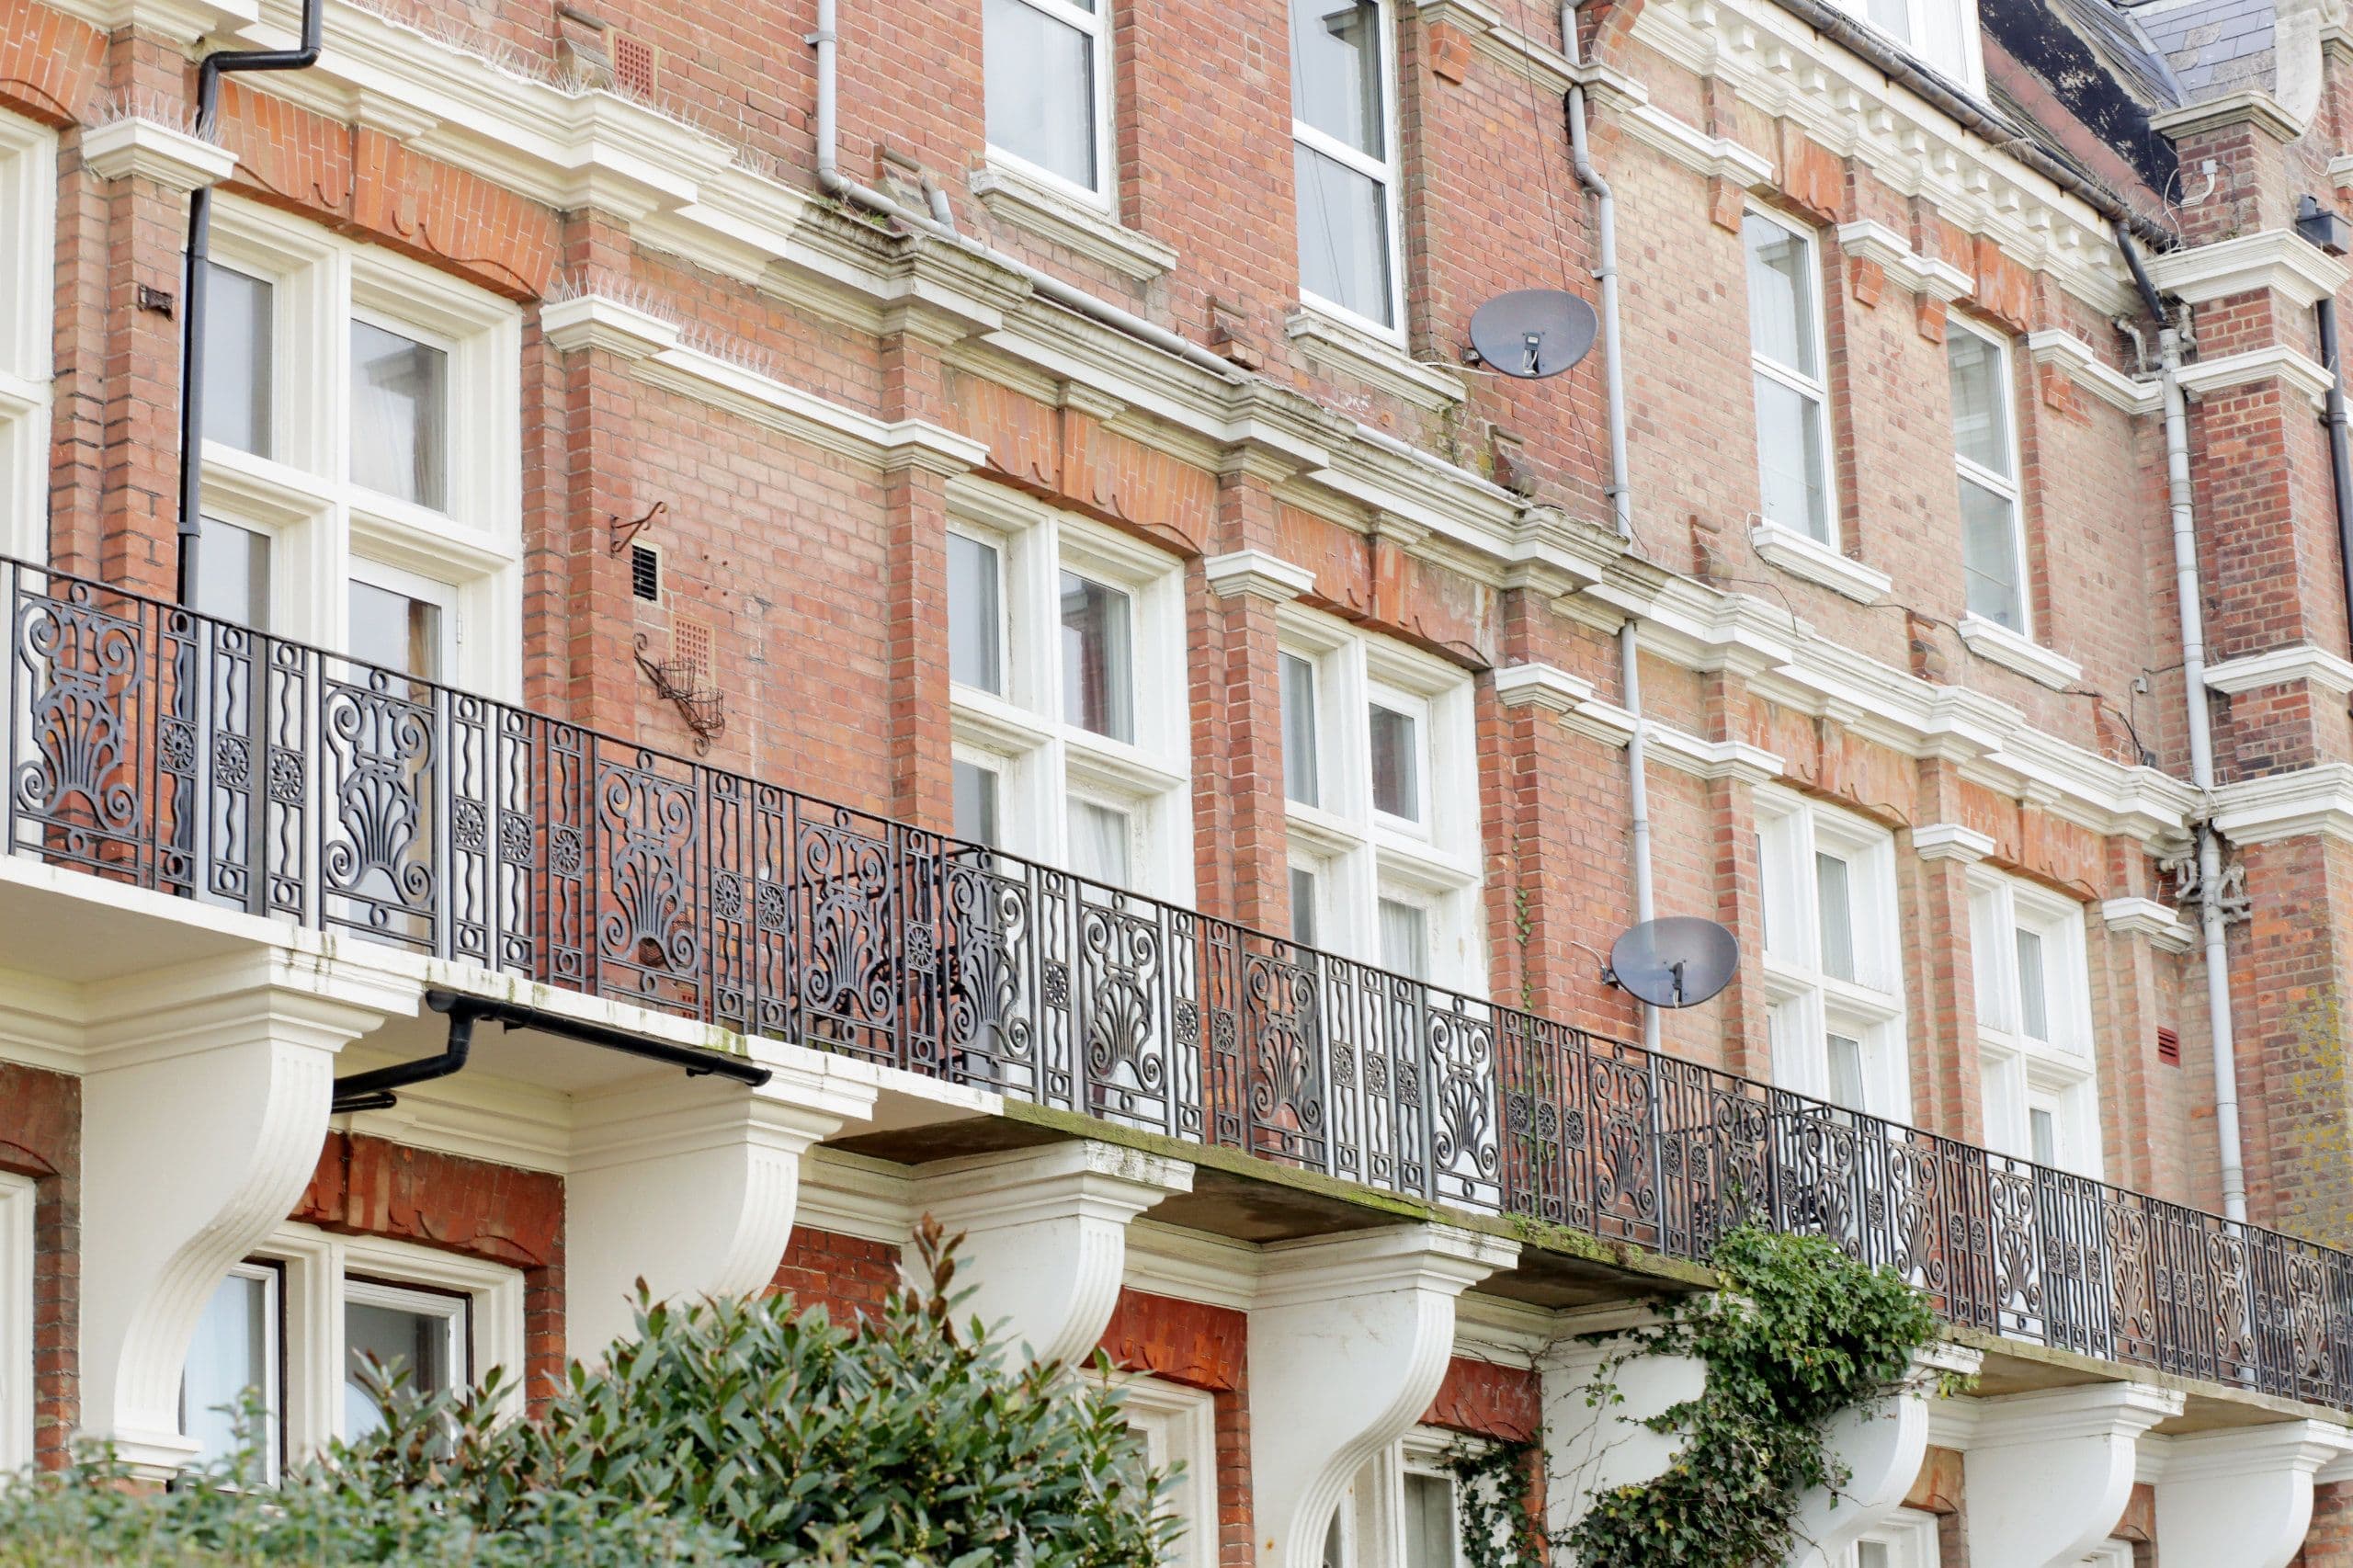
(1191, 1266)
(2000, 645)
(2254, 105)
(600, 320)
(1737, 760)
(1802, 556)
(1258, 575)
(2331, 672)
(1718, 157)
(2288, 805)
(1012, 198)
(2277, 259)
(181, 21)
(1346, 350)
(1541, 686)
(2293, 366)
(2145, 917)
(2083, 363)
(763, 399)
(1875, 242)
(164, 154)
(852, 1195)
(1952, 841)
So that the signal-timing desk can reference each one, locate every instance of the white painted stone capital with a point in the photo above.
(134, 144)
(1350, 1339)
(2048, 1473)
(1880, 1446)
(2241, 1499)
(1951, 841)
(204, 1106)
(1258, 575)
(690, 1184)
(1045, 1235)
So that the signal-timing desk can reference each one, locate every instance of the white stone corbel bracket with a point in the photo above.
(690, 1184)
(2241, 1498)
(1046, 1235)
(1349, 1340)
(1879, 1445)
(204, 1108)
(2048, 1473)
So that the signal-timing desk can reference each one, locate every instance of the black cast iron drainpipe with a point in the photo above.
(192, 285)
(372, 1090)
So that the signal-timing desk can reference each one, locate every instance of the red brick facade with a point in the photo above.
(41, 1136)
(1202, 1348)
(850, 1277)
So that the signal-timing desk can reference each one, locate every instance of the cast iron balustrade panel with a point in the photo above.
(154, 748)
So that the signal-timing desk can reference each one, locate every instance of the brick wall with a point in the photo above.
(1203, 1347)
(850, 1277)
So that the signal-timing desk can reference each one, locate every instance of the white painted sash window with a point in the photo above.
(27, 297)
(1344, 136)
(1049, 91)
(1179, 1426)
(16, 1402)
(1787, 356)
(1992, 541)
(1833, 961)
(2034, 1024)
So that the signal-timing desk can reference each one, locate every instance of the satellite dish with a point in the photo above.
(1679, 961)
(1533, 332)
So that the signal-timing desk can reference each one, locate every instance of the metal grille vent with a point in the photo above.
(632, 65)
(2169, 1046)
(645, 572)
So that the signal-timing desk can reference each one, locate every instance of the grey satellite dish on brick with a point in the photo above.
(1533, 332)
(1679, 961)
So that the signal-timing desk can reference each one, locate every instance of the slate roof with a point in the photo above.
(2212, 46)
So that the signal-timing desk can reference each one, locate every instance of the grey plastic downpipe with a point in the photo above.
(2190, 595)
(826, 42)
(1621, 495)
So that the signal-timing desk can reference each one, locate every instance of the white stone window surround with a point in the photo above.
(321, 525)
(2007, 487)
(16, 1264)
(1813, 388)
(1361, 856)
(1809, 1002)
(1385, 172)
(1179, 1424)
(2055, 1074)
(1372, 1518)
(1906, 1540)
(320, 1268)
(27, 299)
(1043, 760)
(1094, 25)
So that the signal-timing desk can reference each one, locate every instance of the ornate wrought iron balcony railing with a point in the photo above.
(148, 746)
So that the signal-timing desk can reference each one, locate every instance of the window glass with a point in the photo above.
(2034, 1007)
(232, 574)
(399, 391)
(1404, 939)
(1981, 419)
(1100, 836)
(1989, 555)
(235, 1351)
(1835, 899)
(1344, 236)
(1300, 756)
(1429, 1521)
(1303, 906)
(1041, 83)
(1396, 764)
(1336, 72)
(1873, 1553)
(975, 803)
(238, 330)
(1098, 687)
(1780, 295)
(420, 1333)
(1796, 492)
(976, 615)
(2044, 1130)
(1893, 18)
(395, 632)
(1845, 1054)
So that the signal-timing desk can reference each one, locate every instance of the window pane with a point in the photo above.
(2034, 1010)
(229, 1355)
(2045, 1134)
(1098, 842)
(395, 632)
(399, 391)
(232, 574)
(1343, 236)
(1833, 901)
(1040, 76)
(1097, 686)
(1989, 556)
(1404, 939)
(1303, 906)
(976, 615)
(1789, 457)
(975, 803)
(1873, 1553)
(1845, 1064)
(423, 1341)
(1980, 418)
(1780, 295)
(1335, 74)
(1300, 759)
(1429, 1521)
(238, 327)
(1893, 18)
(1396, 764)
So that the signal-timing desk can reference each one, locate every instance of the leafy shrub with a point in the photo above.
(725, 1434)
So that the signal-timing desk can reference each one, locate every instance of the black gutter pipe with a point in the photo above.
(192, 282)
(2340, 459)
(2139, 273)
(372, 1090)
